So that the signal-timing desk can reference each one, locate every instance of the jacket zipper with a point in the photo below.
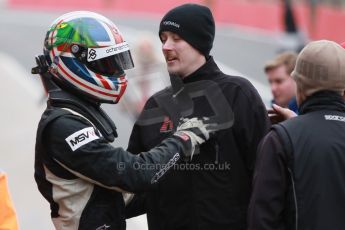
(217, 152)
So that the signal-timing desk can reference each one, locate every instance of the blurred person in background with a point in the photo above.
(8, 218)
(283, 86)
(77, 169)
(313, 6)
(205, 193)
(278, 113)
(147, 78)
(293, 38)
(299, 178)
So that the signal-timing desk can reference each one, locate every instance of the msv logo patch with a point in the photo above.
(81, 137)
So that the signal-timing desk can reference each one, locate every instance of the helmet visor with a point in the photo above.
(112, 65)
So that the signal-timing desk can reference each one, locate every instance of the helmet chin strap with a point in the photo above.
(62, 99)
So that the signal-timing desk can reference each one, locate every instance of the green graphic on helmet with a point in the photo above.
(72, 32)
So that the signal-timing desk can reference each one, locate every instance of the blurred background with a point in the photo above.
(248, 33)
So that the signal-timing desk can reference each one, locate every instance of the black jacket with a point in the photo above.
(211, 192)
(81, 174)
(299, 180)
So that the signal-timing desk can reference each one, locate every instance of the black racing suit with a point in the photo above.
(81, 174)
(211, 192)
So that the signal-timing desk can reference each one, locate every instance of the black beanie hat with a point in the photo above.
(193, 23)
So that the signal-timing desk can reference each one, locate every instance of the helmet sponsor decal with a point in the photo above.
(92, 54)
(98, 53)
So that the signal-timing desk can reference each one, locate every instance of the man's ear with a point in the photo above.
(300, 95)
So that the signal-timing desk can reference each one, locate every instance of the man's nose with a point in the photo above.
(274, 88)
(167, 45)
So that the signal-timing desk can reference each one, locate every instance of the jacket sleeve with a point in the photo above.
(266, 208)
(251, 122)
(73, 143)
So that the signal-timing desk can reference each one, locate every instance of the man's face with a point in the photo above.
(182, 59)
(282, 85)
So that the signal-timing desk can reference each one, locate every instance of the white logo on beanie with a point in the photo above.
(170, 23)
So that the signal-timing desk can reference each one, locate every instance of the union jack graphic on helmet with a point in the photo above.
(87, 53)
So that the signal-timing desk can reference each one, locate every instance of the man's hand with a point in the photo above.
(193, 132)
(278, 114)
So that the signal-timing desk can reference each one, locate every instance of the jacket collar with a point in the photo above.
(62, 99)
(205, 72)
(323, 100)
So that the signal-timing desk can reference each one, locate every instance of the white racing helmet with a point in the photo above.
(87, 53)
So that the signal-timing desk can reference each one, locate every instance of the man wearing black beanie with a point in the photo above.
(193, 23)
(212, 191)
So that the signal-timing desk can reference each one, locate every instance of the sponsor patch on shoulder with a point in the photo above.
(81, 137)
(335, 118)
